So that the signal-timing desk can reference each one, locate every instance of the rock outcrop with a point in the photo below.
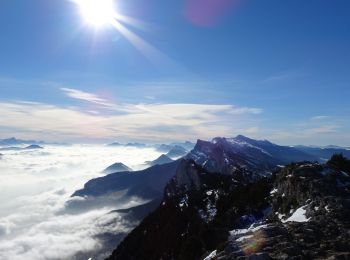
(299, 212)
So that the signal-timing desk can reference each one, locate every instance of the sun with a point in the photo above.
(97, 13)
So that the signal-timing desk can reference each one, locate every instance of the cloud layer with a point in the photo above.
(35, 223)
(99, 118)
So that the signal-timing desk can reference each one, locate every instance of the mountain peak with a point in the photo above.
(116, 167)
(162, 159)
(243, 138)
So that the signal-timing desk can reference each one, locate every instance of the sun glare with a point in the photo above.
(97, 12)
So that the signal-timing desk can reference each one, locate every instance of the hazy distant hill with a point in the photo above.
(14, 141)
(117, 167)
(323, 154)
(163, 159)
(177, 152)
(30, 147)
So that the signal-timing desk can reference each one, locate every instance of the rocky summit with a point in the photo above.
(300, 211)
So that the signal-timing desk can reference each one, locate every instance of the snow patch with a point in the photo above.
(298, 216)
(244, 238)
(184, 202)
(273, 191)
(252, 228)
(209, 192)
(211, 255)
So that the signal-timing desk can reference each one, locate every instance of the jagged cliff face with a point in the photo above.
(226, 156)
(197, 209)
(309, 218)
(301, 211)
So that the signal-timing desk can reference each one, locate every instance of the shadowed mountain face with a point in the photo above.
(176, 152)
(241, 151)
(300, 211)
(224, 154)
(147, 184)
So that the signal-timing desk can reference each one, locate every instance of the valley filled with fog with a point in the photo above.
(36, 216)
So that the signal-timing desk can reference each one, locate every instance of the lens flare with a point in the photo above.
(100, 13)
(254, 243)
(97, 12)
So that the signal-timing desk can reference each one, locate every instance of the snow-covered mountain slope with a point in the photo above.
(227, 155)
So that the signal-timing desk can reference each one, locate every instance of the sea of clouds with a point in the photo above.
(37, 216)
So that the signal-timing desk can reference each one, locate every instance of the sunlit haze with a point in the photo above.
(100, 71)
(97, 12)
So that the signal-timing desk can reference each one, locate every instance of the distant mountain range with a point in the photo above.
(163, 159)
(30, 147)
(167, 147)
(13, 141)
(219, 186)
(137, 145)
(173, 150)
(254, 158)
(324, 153)
(177, 152)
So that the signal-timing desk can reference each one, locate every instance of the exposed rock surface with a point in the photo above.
(300, 212)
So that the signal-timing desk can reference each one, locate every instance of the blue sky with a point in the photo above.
(270, 69)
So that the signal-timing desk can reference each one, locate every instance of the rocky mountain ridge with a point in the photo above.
(299, 212)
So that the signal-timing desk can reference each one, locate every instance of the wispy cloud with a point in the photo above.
(286, 75)
(320, 117)
(125, 120)
(86, 96)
